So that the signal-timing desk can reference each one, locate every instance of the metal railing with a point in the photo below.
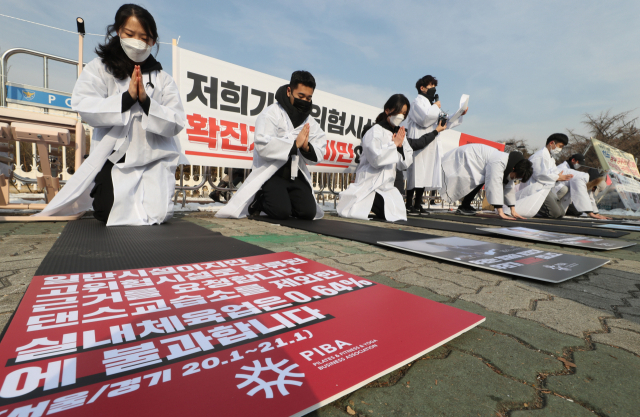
(45, 66)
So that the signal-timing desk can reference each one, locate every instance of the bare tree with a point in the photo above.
(617, 130)
(519, 145)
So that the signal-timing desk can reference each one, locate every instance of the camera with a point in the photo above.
(443, 118)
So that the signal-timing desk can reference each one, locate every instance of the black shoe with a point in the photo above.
(466, 211)
(255, 208)
(419, 210)
(215, 196)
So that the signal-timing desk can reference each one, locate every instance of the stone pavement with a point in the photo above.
(571, 349)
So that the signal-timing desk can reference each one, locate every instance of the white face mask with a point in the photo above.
(396, 119)
(136, 50)
(576, 165)
(556, 151)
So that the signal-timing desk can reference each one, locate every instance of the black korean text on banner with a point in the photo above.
(222, 102)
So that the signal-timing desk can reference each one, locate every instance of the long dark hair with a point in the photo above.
(395, 104)
(113, 57)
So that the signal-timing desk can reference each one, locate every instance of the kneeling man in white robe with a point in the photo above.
(384, 149)
(470, 167)
(577, 195)
(537, 197)
(286, 139)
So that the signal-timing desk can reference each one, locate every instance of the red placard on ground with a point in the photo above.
(274, 335)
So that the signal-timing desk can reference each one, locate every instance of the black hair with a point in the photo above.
(523, 170)
(302, 77)
(425, 81)
(578, 157)
(558, 138)
(113, 57)
(395, 104)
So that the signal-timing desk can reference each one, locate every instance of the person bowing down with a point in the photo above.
(468, 168)
(136, 111)
(384, 147)
(286, 140)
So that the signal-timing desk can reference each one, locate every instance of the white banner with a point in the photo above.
(222, 102)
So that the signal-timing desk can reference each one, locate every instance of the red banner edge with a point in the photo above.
(378, 375)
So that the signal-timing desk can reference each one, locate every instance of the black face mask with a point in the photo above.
(431, 95)
(303, 106)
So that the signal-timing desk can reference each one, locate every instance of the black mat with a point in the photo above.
(88, 246)
(425, 223)
(346, 230)
(486, 221)
(572, 221)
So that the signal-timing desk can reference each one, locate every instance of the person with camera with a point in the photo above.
(424, 122)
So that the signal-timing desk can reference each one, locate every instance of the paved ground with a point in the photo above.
(571, 349)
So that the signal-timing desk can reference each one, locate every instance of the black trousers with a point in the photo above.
(102, 192)
(283, 198)
(378, 206)
(419, 192)
(468, 199)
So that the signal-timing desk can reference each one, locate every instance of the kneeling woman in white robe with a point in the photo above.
(384, 147)
(136, 112)
(468, 168)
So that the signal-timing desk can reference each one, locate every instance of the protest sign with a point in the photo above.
(559, 238)
(513, 260)
(274, 335)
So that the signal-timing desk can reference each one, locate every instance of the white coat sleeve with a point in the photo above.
(579, 193)
(408, 156)
(594, 205)
(166, 118)
(378, 149)
(91, 100)
(268, 144)
(424, 116)
(509, 191)
(543, 173)
(493, 185)
(318, 141)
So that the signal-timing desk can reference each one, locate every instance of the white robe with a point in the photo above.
(582, 199)
(144, 184)
(273, 139)
(468, 166)
(531, 195)
(376, 173)
(426, 171)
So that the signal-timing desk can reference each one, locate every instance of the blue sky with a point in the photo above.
(532, 68)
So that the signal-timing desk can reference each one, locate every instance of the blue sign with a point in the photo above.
(36, 96)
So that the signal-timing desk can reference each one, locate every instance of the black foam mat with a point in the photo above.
(425, 223)
(572, 221)
(346, 230)
(87, 245)
(486, 221)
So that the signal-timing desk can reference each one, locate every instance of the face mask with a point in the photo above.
(431, 94)
(396, 119)
(556, 151)
(136, 50)
(303, 106)
(576, 165)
